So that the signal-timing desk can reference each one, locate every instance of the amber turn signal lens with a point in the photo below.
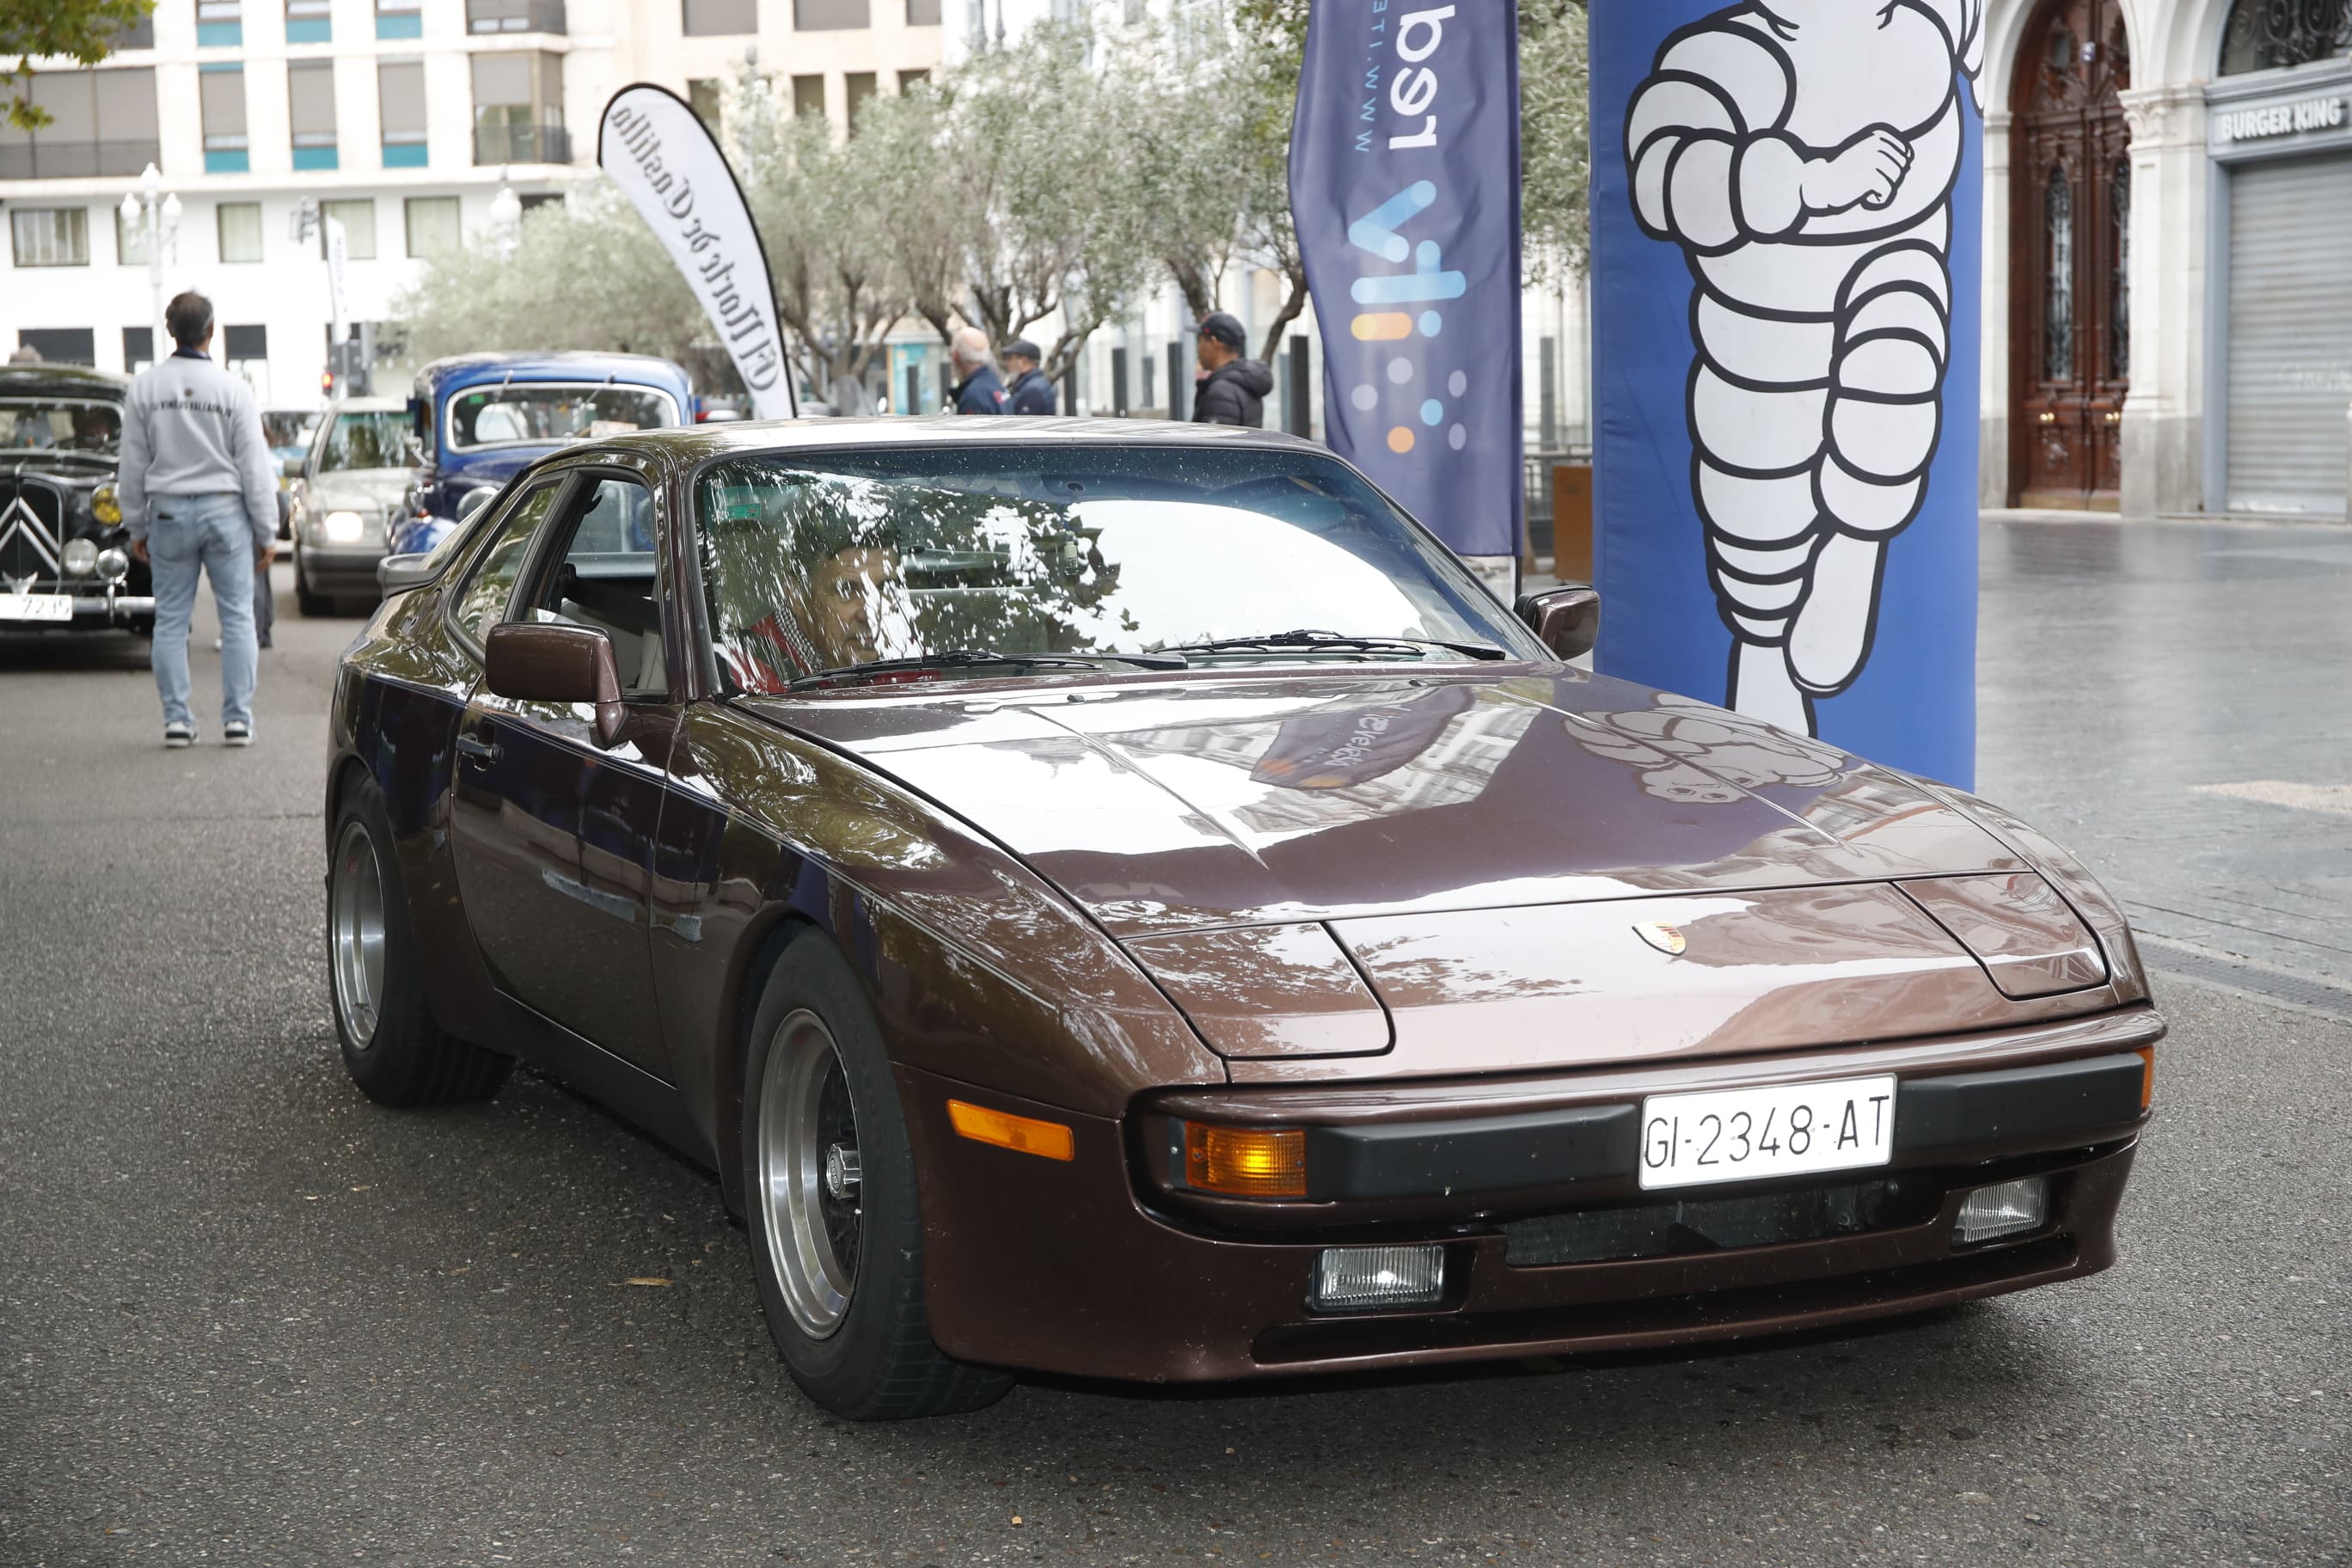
(2147, 1055)
(1245, 1162)
(1022, 1134)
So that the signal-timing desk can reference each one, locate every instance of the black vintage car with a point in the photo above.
(65, 557)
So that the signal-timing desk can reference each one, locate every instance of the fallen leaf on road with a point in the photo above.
(645, 1279)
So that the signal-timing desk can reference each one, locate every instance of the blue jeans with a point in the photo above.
(183, 533)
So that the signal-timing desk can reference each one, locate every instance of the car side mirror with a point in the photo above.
(1567, 620)
(290, 467)
(533, 661)
(474, 500)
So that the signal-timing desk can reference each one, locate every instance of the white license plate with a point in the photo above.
(1787, 1129)
(36, 606)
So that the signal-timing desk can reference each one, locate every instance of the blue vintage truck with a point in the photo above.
(475, 419)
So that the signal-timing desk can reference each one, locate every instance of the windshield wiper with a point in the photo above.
(1337, 641)
(966, 657)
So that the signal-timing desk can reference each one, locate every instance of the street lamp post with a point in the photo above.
(506, 217)
(159, 213)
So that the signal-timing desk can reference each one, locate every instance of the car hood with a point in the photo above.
(1166, 805)
(359, 488)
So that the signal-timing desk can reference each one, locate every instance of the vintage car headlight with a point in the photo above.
(114, 566)
(106, 505)
(344, 527)
(79, 557)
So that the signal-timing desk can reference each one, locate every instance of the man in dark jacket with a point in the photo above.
(978, 389)
(1030, 393)
(1231, 390)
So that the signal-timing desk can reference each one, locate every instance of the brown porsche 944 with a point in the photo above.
(1122, 900)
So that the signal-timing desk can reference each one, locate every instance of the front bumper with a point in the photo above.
(1095, 1267)
(92, 609)
(340, 571)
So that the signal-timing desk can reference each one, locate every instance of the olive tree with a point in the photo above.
(82, 30)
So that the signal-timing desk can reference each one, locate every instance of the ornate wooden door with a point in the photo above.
(2070, 223)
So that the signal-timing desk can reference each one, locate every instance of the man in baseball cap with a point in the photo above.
(1231, 389)
(1030, 393)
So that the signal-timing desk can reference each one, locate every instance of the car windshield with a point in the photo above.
(60, 423)
(375, 438)
(544, 411)
(817, 562)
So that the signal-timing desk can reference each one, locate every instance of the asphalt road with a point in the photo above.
(247, 1317)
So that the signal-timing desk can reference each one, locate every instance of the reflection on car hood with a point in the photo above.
(1165, 805)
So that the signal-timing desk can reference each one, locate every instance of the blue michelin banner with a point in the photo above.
(1404, 182)
(1786, 209)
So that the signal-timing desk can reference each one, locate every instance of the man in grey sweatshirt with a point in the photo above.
(198, 494)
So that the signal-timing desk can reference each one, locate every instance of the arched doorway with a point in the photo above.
(2070, 222)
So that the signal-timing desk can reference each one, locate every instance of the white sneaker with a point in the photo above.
(179, 734)
(236, 733)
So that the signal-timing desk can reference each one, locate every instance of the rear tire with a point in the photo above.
(837, 1243)
(392, 1047)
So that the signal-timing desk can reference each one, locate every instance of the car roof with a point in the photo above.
(462, 370)
(368, 405)
(20, 379)
(685, 444)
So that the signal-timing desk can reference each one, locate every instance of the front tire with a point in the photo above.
(831, 1209)
(392, 1047)
(307, 602)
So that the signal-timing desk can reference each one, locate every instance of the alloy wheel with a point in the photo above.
(811, 1182)
(355, 934)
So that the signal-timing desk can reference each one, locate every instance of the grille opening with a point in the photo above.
(1688, 1226)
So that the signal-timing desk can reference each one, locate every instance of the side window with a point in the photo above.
(606, 580)
(491, 583)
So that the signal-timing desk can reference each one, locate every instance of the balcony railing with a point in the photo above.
(514, 15)
(44, 158)
(521, 144)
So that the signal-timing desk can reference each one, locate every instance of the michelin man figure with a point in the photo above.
(1802, 153)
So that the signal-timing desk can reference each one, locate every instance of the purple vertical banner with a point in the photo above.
(1404, 184)
(1786, 227)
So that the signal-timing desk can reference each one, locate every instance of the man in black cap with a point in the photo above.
(1231, 389)
(1030, 393)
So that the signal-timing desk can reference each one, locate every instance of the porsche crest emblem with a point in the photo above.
(1659, 935)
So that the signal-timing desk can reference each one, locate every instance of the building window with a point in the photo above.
(50, 237)
(909, 80)
(399, 18)
(433, 225)
(514, 15)
(824, 15)
(101, 122)
(220, 90)
(130, 237)
(310, 111)
(245, 350)
(860, 86)
(61, 345)
(808, 97)
(358, 219)
(239, 225)
(306, 22)
(518, 109)
(220, 23)
(138, 349)
(2262, 35)
(706, 17)
(532, 201)
(922, 13)
(139, 35)
(400, 102)
(702, 95)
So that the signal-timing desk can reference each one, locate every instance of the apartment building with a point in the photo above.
(401, 118)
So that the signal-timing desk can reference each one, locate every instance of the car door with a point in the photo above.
(551, 832)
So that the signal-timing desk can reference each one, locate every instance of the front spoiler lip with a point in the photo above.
(1418, 1154)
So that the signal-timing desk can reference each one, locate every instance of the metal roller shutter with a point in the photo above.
(2290, 334)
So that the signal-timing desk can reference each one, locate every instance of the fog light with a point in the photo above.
(114, 566)
(2002, 1209)
(81, 557)
(1368, 1278)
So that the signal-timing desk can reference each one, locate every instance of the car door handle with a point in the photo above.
(481, 754)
